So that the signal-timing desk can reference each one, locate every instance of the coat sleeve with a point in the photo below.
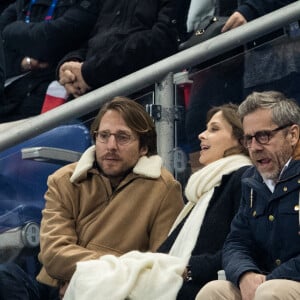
(169, 209)
(62, 245)
(238, 247)
(252, 9)
(287, 270)
(8, 15)
(13, 60)
(60, 249)
(135, 50)
(52, 39)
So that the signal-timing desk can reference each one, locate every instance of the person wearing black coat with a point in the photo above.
(205, 261)
(128, 36)
(217, 183)
(273, 62)
(36, 35)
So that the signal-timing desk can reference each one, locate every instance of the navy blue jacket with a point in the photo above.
(264, 234)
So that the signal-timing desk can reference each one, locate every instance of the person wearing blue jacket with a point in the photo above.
(261, 254)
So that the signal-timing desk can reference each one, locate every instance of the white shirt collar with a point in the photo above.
(270, 183)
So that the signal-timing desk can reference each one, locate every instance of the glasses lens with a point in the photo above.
(246, 141)
(103, 136)
(263, 137)
(123, 138)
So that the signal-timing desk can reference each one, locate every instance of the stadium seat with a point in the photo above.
(24, 170)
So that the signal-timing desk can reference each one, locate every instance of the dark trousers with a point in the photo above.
(15, 284)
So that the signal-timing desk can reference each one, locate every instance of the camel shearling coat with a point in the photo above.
(84, 218)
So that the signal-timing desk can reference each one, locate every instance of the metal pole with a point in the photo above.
(164, 97)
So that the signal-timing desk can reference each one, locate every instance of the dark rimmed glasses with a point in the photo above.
(122, 138)
(262, 137)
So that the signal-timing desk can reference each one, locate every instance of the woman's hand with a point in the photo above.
(235, 20)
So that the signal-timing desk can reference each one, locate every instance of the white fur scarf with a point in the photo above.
(199, 191)
(147, 166)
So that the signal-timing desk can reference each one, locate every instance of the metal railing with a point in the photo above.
(159, 73)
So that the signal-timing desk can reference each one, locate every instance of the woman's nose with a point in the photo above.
(201, 135)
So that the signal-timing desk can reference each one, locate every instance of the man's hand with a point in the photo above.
(235, 20)
(65, 74)
(70, 77)
(62, 290)
(249, 282)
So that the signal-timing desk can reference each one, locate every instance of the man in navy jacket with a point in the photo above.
(261, 255)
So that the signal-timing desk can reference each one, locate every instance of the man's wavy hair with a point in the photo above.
(284, 110)
(135, 117)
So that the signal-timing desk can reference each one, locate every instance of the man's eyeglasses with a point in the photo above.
(121, 138)
(262, 137)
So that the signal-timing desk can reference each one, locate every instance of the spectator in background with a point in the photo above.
(36, 35)
(261, 255)
(117, 198)
(276, 64)
(129, 35)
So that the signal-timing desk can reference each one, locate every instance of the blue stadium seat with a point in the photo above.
(24, 170)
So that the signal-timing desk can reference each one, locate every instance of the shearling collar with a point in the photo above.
(146, 166)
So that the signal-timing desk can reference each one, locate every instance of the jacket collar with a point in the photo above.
(146, 166)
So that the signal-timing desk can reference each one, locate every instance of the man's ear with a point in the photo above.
(296, 153)
(143, 150)
(294, 132)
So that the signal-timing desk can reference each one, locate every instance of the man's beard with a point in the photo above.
(282, 158)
